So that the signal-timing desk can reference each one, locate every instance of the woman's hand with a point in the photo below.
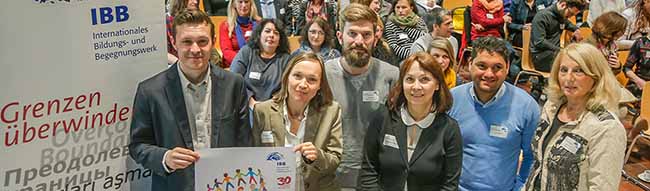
(308, 151)
(252, 102)
(639, 83)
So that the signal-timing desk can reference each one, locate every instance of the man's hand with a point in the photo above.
(252, 102)
(507, 18)
(527, 26)
(180, 158)
(308, 151)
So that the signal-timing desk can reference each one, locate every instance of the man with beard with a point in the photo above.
(360, 84)
(497, 121)
(547, 27)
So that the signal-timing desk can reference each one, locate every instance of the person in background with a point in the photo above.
(443, 53)
(359, 82)
(176, 7)
(303, 115)
(403, 27)
(216, 7)
(274, 9)
(487, 21)
(547, 28)
(318, 37)
(382, 50)
(494, 128)
(605, 30)
(638, 23)
(413, 144)
(599, 7)
(310, 9)
(439, 24)
(522, 13)
(579, 143)
(262, 61)
(237, 29)
(637, 66)
(181, 110)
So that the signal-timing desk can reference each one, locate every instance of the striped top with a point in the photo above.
(400, 39)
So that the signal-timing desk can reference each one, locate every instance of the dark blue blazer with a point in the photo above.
(160, 123)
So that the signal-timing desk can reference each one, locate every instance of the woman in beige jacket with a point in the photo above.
(303, 115)
(580, 142)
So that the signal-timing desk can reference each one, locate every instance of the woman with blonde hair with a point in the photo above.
(304, 116)
(441, 50)
(235, 31)
(579, 143)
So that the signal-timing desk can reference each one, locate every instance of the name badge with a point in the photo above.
(248, 33)
(267, 137)
(255, 75)
(562, 26)
(489, 16)
(370, 96)
(402, 36)
(540, 7)
(390, 141)
(570, 145)
(282, 11)
(498, 131)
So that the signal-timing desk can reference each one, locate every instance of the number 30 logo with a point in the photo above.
(284, 180)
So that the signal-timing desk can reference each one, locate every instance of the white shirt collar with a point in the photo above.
(497, 96)
(409, 121)
(185, 82)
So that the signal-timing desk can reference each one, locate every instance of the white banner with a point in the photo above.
(68, 73)
(246, 169)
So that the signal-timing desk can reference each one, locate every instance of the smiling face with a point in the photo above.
(419, 86)
(270, 38)
(243, 7)
(574, 83)
(304, 81)
(193, 43)
(316, 35)
(441, 57)
(403, 8)
(488, 71)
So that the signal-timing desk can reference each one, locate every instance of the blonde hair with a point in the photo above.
(606, 91)
(232, 14)
(444, 45)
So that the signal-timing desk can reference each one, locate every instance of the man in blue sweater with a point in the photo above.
(497, 121)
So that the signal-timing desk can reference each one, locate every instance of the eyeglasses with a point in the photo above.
(316, 32)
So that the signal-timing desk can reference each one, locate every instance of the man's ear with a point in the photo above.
(339, 37)
(173, 41)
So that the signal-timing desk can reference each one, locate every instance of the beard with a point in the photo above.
(357, 55)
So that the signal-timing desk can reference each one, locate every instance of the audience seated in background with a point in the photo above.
(443, 53)
(235, 31)
(599, 7)
(439, 24)
(262, 61)
(382, 50)
(403, 27)
(486, 21)
(310, 9)
(638, 22)
(318, 37)
(176, 7)
(522, 13)
(637, 66)
(547, 29)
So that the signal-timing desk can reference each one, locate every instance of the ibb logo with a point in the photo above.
(107, 15)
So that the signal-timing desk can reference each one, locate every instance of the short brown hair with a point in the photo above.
(580, 4)
(442, 99)
(327, 29)
(323, 97)
(193, 17)
(357, 12)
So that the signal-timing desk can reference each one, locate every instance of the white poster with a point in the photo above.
(68, 73)
(245, 169)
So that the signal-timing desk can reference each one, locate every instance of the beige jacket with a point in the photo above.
(323, 129)
(586, 154)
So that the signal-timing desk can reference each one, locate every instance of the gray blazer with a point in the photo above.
(322, 128)
(160, 123)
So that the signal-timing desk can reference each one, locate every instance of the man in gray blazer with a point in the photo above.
(190, 106)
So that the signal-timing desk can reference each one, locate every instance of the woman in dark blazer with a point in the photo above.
(413, 143)
(303, 115)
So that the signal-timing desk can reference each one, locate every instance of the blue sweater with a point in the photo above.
(493, 136)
